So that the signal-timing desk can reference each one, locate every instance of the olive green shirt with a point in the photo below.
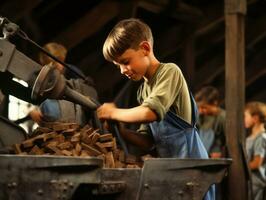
(167, 90)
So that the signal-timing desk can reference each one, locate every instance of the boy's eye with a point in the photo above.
(126, 62)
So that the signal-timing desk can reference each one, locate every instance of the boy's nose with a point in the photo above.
(123, 69)
(201, 110)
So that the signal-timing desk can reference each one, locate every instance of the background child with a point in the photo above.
(211, 121)
(61, 110)
(255, 116)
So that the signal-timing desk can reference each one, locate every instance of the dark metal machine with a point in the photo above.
(55, 177)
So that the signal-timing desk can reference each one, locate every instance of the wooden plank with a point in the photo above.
(106, 137)
(67, 153)
(17, 148)
(55, 143)
(65, 145)
(36, 151)
(110, 163)
(92, 151)
(99, 146)
(55, 150)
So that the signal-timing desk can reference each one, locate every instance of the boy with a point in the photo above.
(211, 121)
(255, 118)
(167, 110)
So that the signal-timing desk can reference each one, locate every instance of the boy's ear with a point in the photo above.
(145, 46)
(216, 103)
(256, 118)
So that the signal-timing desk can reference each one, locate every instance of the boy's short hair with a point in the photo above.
(56, 49)
(257, 108)
(208, 94)
(126, 34)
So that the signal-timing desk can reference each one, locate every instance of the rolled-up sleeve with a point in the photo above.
(260, 146)
(164, 90)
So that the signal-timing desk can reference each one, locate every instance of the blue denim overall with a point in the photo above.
(175, 138)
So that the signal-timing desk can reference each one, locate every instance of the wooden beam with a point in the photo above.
(152, 7)
(256, 68)
(235, 97)
(15, 10)
(209, 71)
(259, 96)
(107, 82)
(173, 8)
(215, 23)
(235, 6)
(257, 32)
(90, 24)
(90, 64)
(48, 8)
(128, 8)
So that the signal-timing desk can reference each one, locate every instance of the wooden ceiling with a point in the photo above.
(190, 33)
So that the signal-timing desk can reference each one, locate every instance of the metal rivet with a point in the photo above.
(112, 187)
(14, 184)
(64, 189)
(104, 188)
(53, 181)
(71, 184)
(9, 29)
(40, 192)
(146, 185)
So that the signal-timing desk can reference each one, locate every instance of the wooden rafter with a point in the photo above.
(90, 24)
(15, 10)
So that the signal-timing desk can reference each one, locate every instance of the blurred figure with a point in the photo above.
(255, 118)
(211, 121)
(61, 110)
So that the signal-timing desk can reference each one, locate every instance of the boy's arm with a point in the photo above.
(259, 153)
(140, 140)
(256, 162)
(137, 114)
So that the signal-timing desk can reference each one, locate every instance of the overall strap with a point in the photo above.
(178, 121)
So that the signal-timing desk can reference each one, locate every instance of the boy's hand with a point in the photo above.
(216, 155)
(36, 116)
(105, 111)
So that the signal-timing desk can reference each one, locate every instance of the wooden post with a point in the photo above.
(235, 97)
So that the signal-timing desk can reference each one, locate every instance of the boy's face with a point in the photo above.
(249, 120)
(133, 63)
(206, 108)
